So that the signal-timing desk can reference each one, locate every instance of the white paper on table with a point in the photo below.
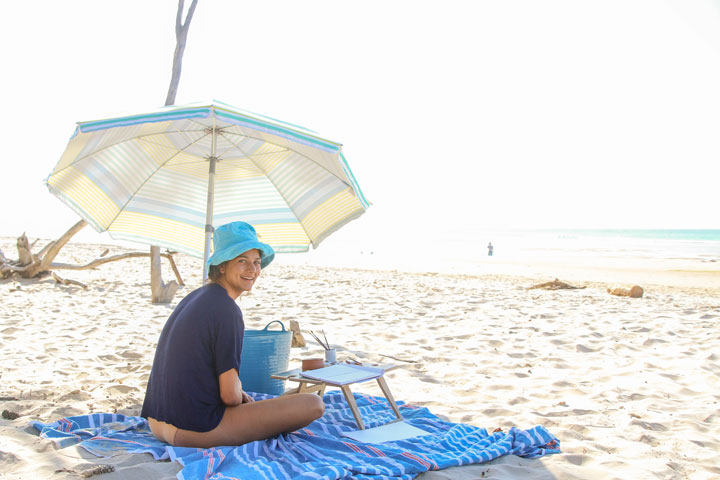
(386, 433)
(343, 374)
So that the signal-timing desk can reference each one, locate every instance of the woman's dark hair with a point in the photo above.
(214, 273)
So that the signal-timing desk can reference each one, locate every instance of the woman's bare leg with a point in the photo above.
(257, 421)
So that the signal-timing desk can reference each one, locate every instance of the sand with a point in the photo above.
(629, 386)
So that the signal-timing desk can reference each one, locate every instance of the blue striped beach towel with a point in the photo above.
(316, 452)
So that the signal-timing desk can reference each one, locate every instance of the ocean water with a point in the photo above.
(465, 250)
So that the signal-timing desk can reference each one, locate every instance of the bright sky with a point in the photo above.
(499, 113)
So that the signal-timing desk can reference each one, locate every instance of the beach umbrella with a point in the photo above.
(167, 177)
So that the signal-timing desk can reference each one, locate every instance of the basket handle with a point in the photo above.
(275, 321)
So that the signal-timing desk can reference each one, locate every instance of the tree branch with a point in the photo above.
(113, 258)
(178, 18)
(188, 17)
(58, 244)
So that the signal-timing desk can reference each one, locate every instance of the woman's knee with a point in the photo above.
(313, 404)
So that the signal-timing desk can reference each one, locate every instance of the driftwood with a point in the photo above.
(398, 359)
(297, 337)
(64, 281)
(100, 260)
(635, 291)
(31, 265)
(555, 285)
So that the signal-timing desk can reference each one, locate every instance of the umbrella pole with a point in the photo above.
(209, 208)
(209, 216)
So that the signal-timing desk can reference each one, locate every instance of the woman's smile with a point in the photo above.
(240, 273)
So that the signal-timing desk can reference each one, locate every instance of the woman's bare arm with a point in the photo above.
(231, 392)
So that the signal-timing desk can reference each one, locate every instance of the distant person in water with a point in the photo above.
(490, 249)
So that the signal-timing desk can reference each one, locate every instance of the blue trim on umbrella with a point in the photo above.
(233, 108)
(355, 184)
(144, 118)
(205, 112)
(240, 119)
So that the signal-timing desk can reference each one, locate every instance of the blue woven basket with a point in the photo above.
(265, 352)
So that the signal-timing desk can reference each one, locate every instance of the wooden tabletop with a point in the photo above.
(295, 375)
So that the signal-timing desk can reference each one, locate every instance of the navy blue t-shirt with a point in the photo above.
(201, 339)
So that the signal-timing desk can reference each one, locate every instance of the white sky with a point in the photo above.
(586, 114)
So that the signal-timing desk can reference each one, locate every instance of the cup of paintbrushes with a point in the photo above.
(330, 353)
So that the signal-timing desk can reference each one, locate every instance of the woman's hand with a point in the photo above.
(247, 398)
(231, 392)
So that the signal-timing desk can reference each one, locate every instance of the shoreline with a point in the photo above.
(641, 270)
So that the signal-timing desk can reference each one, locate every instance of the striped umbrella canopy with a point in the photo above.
(167, 177)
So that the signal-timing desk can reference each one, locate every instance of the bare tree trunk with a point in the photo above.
(181, 31)
(161, 292)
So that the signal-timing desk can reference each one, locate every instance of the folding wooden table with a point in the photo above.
(310, 385)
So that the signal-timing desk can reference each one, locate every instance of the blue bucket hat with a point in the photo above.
(232, 239)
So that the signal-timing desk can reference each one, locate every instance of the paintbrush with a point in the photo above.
(326, 347)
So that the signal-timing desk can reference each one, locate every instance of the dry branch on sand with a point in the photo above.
(39, 265)
(555, 285)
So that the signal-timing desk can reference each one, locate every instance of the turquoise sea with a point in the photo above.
(700, 245)
(682, 235)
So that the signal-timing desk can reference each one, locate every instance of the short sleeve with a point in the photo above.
(228, 337)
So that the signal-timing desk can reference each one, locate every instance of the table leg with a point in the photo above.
(306, 387)
(353, 406)
(386, 391)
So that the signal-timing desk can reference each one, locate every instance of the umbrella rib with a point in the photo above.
(183, 132)
(138, 137)
(287, 149)
(249, 157)
(269, 180)
(142, 184)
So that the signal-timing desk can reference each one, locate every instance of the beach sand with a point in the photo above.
(629, 386)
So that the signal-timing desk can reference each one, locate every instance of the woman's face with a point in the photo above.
(239, 274)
